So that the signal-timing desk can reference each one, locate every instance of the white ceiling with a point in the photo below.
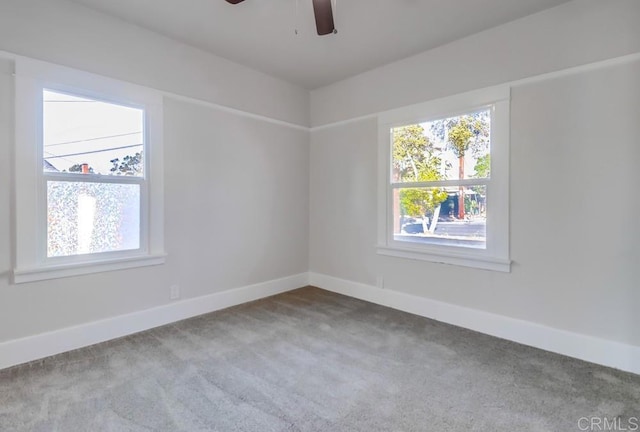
(260, 33)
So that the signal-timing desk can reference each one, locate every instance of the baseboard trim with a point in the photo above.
(595, 350)
(18, 351)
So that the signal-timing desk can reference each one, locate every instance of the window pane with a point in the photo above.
(447, 149)
(84, 135)
(454, 216)
(85, 218)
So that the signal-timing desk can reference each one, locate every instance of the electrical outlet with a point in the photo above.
(175, 292)
(380, 282)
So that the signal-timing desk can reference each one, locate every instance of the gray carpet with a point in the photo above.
(310, 360)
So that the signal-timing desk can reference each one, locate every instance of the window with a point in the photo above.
(93, 170)
(444, 181)
(88, 173)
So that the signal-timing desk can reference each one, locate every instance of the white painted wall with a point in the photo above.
(236, 187)
(572, 34)
(67, 33)
(574, 172)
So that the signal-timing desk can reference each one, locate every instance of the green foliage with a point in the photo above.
(467, 132)
(421, 202)
(483, 166)
(130, 165)
(414, 161)
(77, 168)
(471, 205)
(482, 170)
(412, 153)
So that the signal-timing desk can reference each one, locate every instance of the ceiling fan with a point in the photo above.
(323, 12)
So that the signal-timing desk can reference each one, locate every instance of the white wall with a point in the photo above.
(575, 33)
(236, 187)
(62, 32)
(574, 172)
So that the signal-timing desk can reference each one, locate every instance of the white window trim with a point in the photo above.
(496, 255)
(31, 264)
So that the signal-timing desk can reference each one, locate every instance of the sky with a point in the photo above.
(80, 130)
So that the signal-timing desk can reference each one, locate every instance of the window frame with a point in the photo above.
(496, 254)
(32, 77)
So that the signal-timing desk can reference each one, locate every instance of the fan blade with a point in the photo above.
(234, 1)
(324, 17)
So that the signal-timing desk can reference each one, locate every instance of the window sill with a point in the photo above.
(460, 259)
(77, 269)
